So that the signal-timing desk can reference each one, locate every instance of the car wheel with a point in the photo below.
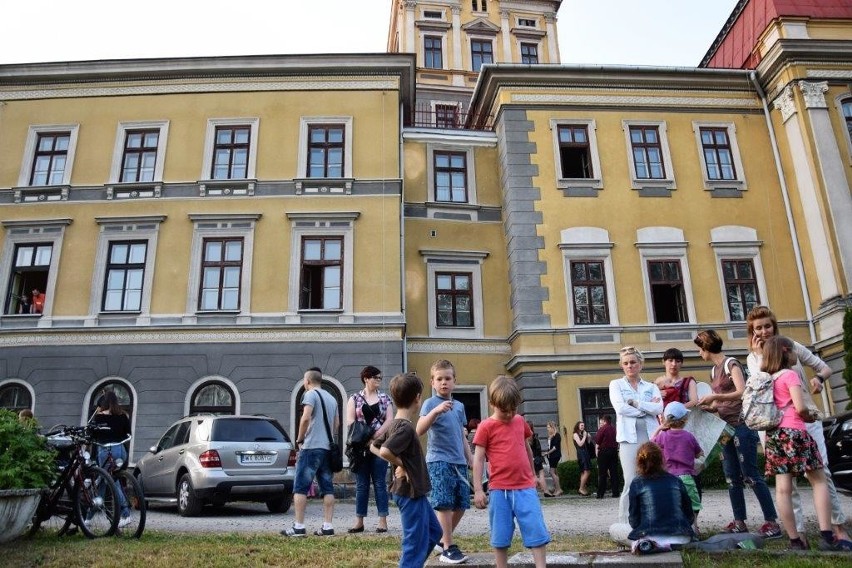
(280, 504)
(188, 504)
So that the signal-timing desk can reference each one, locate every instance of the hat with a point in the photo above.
(675, 410)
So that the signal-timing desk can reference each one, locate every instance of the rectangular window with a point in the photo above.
(526, 22)
(433, 15)
(221, 274)
(322, 273)
(433, 57)
(717, 154)
(574, 152)
(325, 151)
(847, 116)
(139, 159)
(740, 287)
(667, 293)
(595, 404)
(529, 53)
(481, 52)
(647, 152)
(454, 299)
(125, 273)
(50, 158)
(231, 149)
(28, 280)
(446, 116)
(450, 177)
(588, 284)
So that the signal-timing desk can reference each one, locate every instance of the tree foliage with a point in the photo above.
(26, 462)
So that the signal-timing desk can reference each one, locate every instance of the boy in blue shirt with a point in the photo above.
(448, 456)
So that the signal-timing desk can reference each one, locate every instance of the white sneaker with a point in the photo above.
(124, 521)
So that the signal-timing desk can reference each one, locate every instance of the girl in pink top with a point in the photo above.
(790, 451)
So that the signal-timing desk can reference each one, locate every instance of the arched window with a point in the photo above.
(213, 397)
(846, 104)
(125, 397)
(15, 397)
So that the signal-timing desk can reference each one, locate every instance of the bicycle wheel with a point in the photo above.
(54, 514)
(96, 503)
(132, 489)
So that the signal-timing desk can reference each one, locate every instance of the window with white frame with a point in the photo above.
(213, 397)
(30, 261)
(451, 175)
(49, 155)
(665, 275)
(230, 149)
(721, 164)
(15, 396)
(575, 147)
(589, 278)
(648, 154)
(140, 152)
(433, 52)
(124, 264)
(221, 262)
(481, 53)
(454, 293)
(529, 53)
(321, 263)
(740, 269)
(325, 147)
(844, 106)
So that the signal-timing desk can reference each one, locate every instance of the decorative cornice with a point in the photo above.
(11, 224)
(458, 346)
(323, 215)
(635, 100)
(785, 103)
(814, 93)
(130, 219)
(842, 74)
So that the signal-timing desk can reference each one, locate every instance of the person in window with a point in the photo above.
(37, 301)
(117, 423)
(373, 408)
(25, 305)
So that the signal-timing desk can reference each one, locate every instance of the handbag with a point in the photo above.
(359, 434)
(335, 458)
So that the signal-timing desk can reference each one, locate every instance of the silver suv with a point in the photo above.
(216, 459)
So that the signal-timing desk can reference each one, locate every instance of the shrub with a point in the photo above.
(25, 460)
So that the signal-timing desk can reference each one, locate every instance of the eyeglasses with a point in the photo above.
(377, 377)
(629, 350)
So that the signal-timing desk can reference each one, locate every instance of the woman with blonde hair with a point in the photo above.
(553, 455)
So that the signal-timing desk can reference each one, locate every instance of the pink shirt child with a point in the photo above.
(783, 400)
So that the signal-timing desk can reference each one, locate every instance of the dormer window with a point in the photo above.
(526, 22)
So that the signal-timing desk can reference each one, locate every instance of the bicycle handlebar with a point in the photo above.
(113, 444)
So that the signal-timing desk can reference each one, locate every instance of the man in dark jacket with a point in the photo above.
(607, 457)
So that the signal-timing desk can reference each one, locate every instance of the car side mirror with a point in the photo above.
(154, 449)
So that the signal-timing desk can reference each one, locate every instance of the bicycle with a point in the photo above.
(83, 493)
(131, 489)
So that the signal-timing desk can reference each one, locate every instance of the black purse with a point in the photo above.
(335, 457)
(360, 432)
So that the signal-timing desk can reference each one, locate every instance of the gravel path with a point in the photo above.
(566, 515)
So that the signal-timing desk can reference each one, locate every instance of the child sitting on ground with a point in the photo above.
(680, 449)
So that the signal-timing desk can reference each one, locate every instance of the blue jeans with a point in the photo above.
(739, 462)
(118, 453)
(313, 462)
(375, 469)
(421, 530)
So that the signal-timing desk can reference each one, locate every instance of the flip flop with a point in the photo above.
(381, 530)
(354, 530)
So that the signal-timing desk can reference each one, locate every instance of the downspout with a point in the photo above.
(402, 240)
(787, 209)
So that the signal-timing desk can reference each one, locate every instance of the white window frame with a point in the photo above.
(47, 231)
(667, 182)
(187, 401)
(470, 174)
(26, 385)
(433, 105)
(30, 148)
(84, 411)
(305, 123)
(237, 225)
(710, 184)
(530, 18)
(118, 229)
(472, 37)
(455, 261)
(423, 15)
(595, 182)
(838, 105)
(664, 243)
(537, 43)
(210, 141)
(120, 140)
(588, 243)
(321, 224)
(734, 242)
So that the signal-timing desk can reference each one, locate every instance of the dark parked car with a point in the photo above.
(215, 459)
(838, 442)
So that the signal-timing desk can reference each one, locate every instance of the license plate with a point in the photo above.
(256, 458)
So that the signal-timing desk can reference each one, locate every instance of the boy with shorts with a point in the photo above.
(448, 456)
(401, 447)
(504, 438)
(680, 448)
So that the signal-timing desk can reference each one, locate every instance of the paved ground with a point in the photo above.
(566, 515)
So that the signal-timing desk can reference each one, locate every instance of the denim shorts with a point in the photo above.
(506, 505)
(450, 487)
(313, 463)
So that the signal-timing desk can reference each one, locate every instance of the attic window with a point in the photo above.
(526, 22)
(432, 14)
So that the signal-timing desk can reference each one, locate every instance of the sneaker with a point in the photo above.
(124, 521)
(293, 531)
(453, 555)
(439, 548)
(837, 545)
(800, 544)
(735, 527)
(770, 530)
(324, 532)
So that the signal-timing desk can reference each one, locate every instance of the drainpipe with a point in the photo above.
(401, 174)
(793, 233)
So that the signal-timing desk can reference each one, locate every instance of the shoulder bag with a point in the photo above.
(335, 458)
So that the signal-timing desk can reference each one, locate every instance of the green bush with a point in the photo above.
(25, 460)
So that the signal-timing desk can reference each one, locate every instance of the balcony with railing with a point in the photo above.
(449, 117)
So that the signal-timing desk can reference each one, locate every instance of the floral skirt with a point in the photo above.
(791, 451)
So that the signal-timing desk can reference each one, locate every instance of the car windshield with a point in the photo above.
(247, 430)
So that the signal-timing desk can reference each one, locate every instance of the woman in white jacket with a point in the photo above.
(637, 403)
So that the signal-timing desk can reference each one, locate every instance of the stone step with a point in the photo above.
(620, 559)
